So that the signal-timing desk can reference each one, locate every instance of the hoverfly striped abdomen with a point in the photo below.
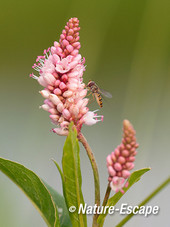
(99, 99)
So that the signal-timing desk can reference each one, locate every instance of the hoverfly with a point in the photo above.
(97, 92)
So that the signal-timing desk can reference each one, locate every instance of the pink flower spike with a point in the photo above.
(122, 159)
(60, 72)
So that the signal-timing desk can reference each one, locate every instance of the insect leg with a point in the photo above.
(91, 100)
(89, 93)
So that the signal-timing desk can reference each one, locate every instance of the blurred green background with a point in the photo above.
(126, 44)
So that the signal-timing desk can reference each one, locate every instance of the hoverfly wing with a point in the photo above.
(106, 93)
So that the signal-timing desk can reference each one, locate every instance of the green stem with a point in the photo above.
(155, 192)
(107, 194)
(83, 140)
(106, 197)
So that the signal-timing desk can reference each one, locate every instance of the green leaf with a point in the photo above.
(135, 176)
(34, 189)
(61, 207)
(60, 171)
(72, 178)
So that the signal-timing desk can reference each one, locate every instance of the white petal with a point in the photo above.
(54, 99)
(45, 93)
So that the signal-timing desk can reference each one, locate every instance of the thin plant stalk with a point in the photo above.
(107, 194)
(106, 197)
(84, 142)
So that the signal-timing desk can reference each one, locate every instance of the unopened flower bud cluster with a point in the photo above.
(121, 160)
